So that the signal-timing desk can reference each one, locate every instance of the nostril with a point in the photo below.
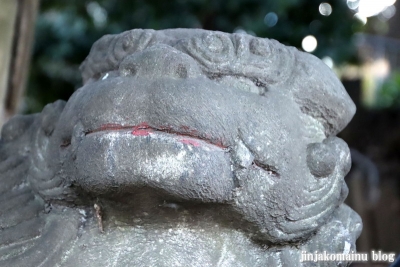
(321, 159)
(181, 71)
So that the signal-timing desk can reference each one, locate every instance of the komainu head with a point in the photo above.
(205, 140)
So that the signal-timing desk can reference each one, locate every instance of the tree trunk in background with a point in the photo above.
(8, 14)
(17, 24)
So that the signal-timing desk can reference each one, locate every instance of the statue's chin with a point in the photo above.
(181, 237)
(124, 160)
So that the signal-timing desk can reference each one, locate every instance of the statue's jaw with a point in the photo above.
(182, 237)
(125, 160)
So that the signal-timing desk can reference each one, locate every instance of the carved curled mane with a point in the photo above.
(218, 53)
(28, 236)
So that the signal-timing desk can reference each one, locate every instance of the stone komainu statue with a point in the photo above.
(196, 148)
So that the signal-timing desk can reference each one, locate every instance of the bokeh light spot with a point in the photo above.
(361, 18)
(368, 8)
(271, 19)
(98, 14)
(389, 12)
(328, 61)
(239, 30)
(325, 9)
(309, 43)
(353, 4)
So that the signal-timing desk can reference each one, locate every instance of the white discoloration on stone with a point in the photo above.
(105, 76)
(347, 247)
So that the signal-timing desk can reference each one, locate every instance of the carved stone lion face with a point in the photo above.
(237, 127)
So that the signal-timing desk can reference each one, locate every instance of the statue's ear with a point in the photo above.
(49, 117)
(27, 135)
(44, 156)
(30, 237)
(14, 153)
(16, 127)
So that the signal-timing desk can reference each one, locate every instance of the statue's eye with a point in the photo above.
(128, 69)
(181, 71)
(242, 83)
(16, 127)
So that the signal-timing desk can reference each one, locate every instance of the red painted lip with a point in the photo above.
(188, 135)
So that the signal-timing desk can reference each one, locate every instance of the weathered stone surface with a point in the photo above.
(197, 148)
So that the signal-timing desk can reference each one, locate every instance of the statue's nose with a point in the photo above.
(160, 61)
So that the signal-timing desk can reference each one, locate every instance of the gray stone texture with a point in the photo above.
(199, 148)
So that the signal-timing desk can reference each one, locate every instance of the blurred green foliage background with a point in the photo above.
(389, 93)
(65, 31)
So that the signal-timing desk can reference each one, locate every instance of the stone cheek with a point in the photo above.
(196, 148)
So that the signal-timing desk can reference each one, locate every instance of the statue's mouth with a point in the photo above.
(130, 157)
(186, 135)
